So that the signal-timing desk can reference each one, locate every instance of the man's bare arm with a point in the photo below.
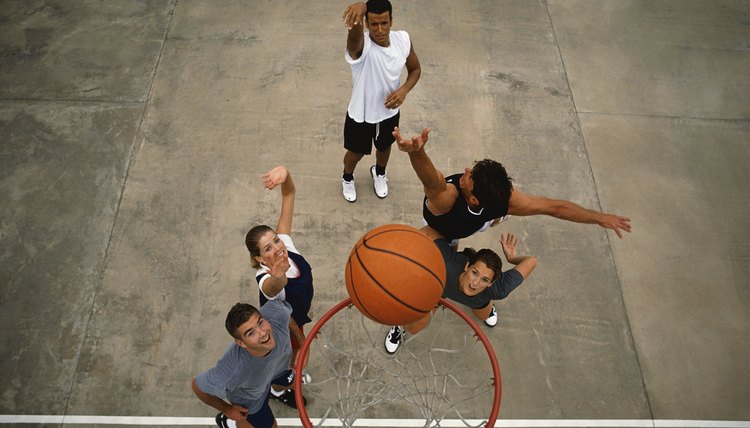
(353, 20)
(440, 196)
(522, 204)
(414, 71)
(233, 411)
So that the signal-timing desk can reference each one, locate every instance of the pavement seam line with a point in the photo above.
(134, 151)
(599, 203)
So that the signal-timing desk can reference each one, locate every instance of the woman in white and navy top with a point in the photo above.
(283, 274)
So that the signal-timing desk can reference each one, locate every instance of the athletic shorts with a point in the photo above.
(359, 137)
(264, 418)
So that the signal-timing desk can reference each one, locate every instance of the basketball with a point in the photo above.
(395, 275)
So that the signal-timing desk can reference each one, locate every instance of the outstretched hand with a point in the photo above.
(615, 222)
(415, 144)
(354, 14)
(275, 177)
(279, 266)
(509, 246)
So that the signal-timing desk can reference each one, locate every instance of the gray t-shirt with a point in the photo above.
(454, 265)
(244, 379)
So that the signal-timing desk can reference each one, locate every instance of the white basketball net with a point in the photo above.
(442, 376)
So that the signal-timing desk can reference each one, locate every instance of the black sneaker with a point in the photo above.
(288, 398)
(393, 339)
(221, 420)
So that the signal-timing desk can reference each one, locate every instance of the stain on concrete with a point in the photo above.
(554, 92)
(512, 82)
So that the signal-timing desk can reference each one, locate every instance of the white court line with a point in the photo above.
(391, 423)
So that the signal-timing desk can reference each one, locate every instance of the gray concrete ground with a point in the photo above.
(133, 135)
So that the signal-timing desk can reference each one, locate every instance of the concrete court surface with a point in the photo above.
(133, 134)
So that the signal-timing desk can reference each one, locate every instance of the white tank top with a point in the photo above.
(375, 74)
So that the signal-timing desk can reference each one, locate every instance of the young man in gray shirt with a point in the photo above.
(258, 359)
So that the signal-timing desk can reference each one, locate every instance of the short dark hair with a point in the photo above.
(492, 185)
(379, 6)
(251, 242)
(238, 315)
(489, 257)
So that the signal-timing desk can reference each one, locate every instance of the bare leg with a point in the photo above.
(381, 158)
(279, 388)
(484, 312)
(298, 336)
(419, 324)
(351, 160)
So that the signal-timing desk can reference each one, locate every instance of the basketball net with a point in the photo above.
(446, 372)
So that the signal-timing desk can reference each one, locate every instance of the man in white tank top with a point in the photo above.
(376, 58)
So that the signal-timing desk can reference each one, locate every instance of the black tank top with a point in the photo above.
(462, 220)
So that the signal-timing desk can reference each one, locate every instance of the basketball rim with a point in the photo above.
(478, 335)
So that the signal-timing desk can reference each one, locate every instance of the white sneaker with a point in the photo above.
(394, 339)
(495, 222)
(502, 219)
(492, 319)
(223, 422)
(379, 183)
(306, 378)
(350, 192)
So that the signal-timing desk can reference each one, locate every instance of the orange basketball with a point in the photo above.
(395, 275)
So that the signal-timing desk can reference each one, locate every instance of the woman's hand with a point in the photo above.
(275, 177)
(509, 243)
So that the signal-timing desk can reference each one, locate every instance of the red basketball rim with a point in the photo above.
(478, 333)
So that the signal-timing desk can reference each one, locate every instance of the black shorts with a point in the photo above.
(359, 137)
(263, 418)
